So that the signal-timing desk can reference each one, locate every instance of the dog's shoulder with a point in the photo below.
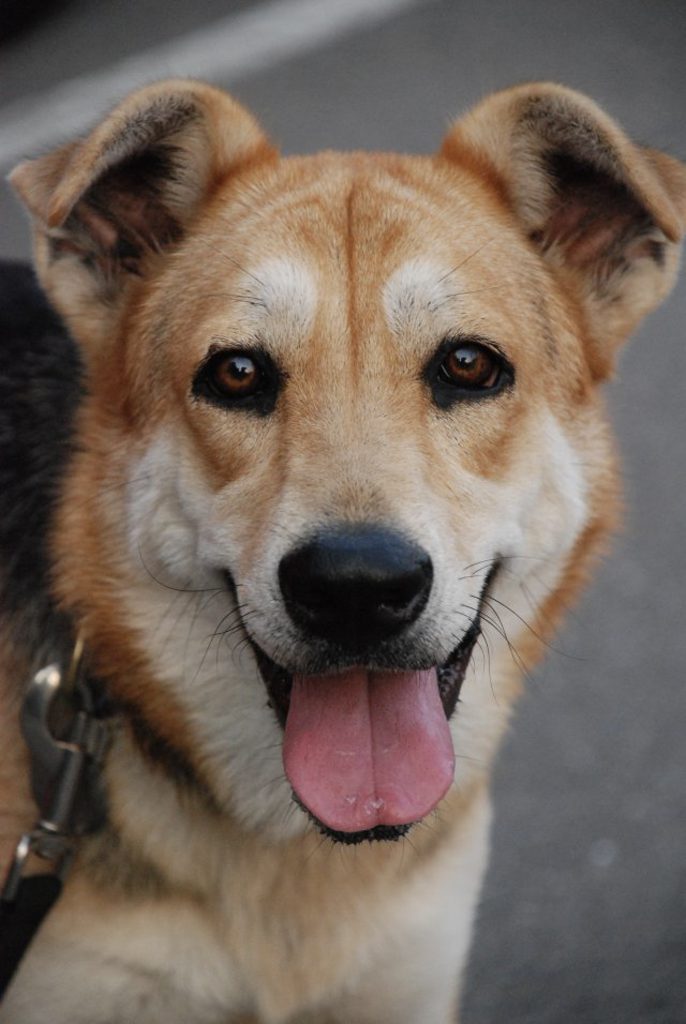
(40, 385)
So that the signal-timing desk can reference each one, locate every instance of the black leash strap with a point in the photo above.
(65, 777)
(21, 919)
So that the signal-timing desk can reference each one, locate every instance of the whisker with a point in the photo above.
(466, 260)
(564, 654)
(500, 629)
(169, 586)
(234, 261)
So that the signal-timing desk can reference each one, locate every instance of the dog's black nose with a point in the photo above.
(356, 585)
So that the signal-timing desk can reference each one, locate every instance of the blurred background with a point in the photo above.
(583, 917)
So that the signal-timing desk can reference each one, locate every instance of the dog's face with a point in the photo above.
(343, 409)
(358, 439)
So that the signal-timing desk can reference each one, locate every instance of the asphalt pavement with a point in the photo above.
(583, 917)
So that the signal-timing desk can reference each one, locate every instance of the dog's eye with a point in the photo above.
(237, 378)
(467, 369)
(471, 366)
(235, 374)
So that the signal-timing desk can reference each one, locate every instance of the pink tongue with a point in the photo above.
(368, 748)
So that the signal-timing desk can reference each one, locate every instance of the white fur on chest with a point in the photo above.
(390, 954)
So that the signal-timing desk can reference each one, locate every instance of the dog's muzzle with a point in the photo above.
(367, 747)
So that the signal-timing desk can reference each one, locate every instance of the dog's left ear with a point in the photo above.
(606, 215)
(105, 209)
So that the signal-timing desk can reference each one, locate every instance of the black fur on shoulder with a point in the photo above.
(40, 388)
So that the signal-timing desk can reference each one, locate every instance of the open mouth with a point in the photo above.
(368, 752)
(449, 676)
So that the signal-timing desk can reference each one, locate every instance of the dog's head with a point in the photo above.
(342, 416)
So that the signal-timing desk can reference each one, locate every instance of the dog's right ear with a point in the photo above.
(107, 207)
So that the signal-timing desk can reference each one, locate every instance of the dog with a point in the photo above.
(330, 465)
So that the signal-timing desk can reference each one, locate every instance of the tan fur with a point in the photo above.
(351, 268)
(17, 812)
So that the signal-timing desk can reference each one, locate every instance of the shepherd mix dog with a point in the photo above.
(336, 462)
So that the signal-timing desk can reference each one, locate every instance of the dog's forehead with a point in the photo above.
(373, 210)
(390, 240)
(351, 256)
(419, 288)
(417, 298)
(283, 293)
(288, 288)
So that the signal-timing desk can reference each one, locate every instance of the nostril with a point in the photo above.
(400, 596)
(356, 582)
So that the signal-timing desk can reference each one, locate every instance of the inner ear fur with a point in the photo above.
(605, 214)
(106, 206)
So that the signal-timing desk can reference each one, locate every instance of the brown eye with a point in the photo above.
(471, 366)
(235, 375)
(467, 369)
(246, 379)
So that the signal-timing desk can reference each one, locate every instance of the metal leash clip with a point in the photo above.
(64, 772)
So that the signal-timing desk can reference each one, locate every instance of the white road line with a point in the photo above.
(242, 43)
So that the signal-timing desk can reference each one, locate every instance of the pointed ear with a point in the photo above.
(605, 214)
(106, 208)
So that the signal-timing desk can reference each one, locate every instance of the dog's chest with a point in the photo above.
(268, 943)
